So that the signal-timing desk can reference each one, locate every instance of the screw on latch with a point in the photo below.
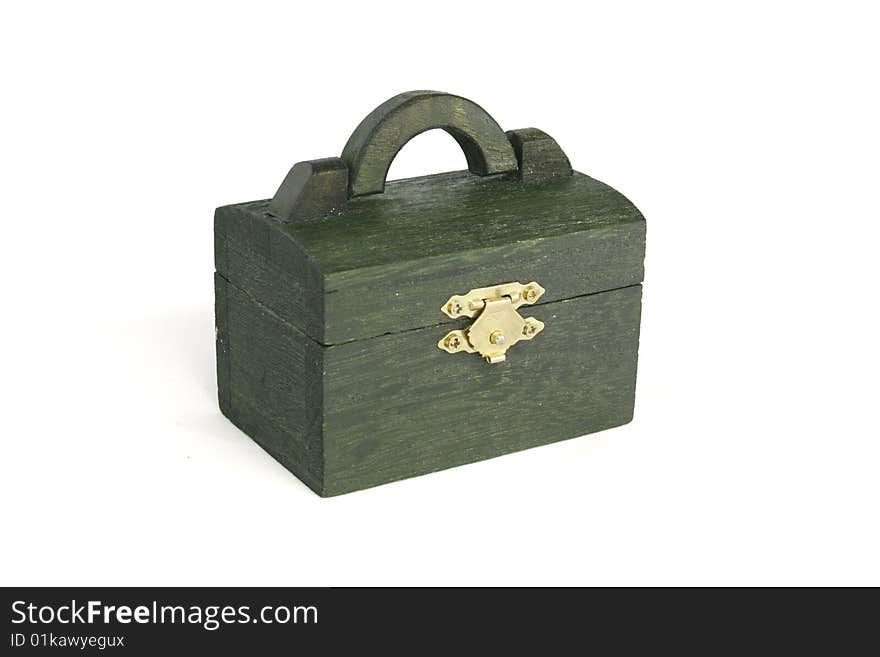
(452, 342)
(529, 329)
(455, 308)
(530, 294)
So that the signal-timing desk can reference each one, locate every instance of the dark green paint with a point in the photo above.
(374, 143)
(328, 306)
(316, 188)
(391, 260)
(395, 406)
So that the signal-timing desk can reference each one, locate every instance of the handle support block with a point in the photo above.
(311, 190)
(538, 155)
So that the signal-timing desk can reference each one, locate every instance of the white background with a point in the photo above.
(748, 137)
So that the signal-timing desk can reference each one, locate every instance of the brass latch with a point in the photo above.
(498, 326)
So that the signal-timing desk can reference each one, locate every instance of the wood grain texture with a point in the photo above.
(375, 142)
(454, 212)
(251, 253)
(389, 261)
(408, 295)
(311, 190)
(351, 416)
(327, 324)
(270, 382)
(395, 407)
(539, 156)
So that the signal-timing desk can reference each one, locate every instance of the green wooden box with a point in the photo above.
(342, 341)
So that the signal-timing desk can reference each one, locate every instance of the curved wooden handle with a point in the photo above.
(377, 140)
(314, 188)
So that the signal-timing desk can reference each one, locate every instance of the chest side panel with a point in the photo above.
(262, 262)
(269, 381)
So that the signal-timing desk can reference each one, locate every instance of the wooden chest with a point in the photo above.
(370, 332)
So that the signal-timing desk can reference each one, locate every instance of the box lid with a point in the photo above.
(341, 256)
